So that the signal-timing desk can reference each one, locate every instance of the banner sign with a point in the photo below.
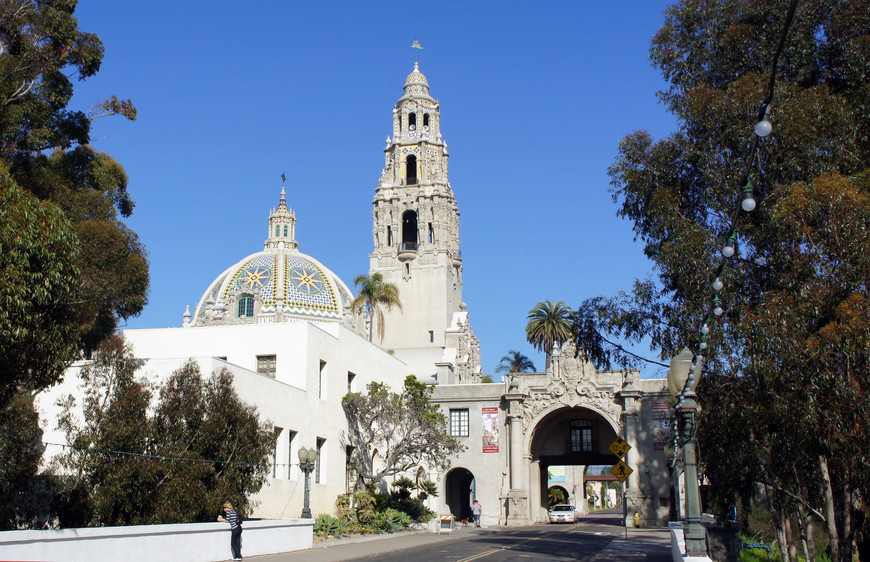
(490, 429)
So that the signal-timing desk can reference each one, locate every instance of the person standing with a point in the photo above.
(230, 516)
(476, 510)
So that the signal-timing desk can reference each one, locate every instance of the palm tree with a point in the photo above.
(515, 362)
(373, 294)
(549, 323)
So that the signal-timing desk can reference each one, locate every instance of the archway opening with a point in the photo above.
(411, 170)
(564, 444)
(557, 494)
(409, 230)
(459, 492)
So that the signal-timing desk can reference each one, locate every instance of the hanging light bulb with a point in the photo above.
(718, 284)
(717, 305)
(705, 329)
(764, 126)
(747, 196)
(730, 243)
(703, 344)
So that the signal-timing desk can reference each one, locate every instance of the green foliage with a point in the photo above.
(38, 274)
(427, 488)
(66, 281)
(20, 452)
(201, 446)
(373, 294)
(326, 525)
(514, 362)
(785, 387)
(391, 520)
(549, 323)
(555, 495)
(405, 428)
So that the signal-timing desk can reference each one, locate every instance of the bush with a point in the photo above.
(326, 525)
(392, 520)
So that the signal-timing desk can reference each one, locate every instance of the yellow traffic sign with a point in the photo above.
(620, 447)
(621, 471)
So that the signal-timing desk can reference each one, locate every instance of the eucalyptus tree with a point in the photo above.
(784, 395)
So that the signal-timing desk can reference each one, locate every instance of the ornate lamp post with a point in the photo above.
(685, 409)
(307, 457)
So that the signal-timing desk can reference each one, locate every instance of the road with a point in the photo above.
(596, 538)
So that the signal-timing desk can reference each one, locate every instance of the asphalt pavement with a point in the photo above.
(595, 538)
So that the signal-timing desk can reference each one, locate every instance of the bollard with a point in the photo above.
(637, 519)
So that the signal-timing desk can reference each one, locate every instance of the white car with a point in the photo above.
(563, 513)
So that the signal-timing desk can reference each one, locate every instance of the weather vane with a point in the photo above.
(416, 45)
(283, 178)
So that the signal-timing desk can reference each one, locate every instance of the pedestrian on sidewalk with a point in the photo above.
(230, 516)
(476, 510)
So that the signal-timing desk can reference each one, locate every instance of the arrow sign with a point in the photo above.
(621, 471)
(620, 447)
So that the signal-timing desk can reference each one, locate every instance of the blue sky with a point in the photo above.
(534, 100)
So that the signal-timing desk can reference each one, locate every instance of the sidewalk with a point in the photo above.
(643, 545)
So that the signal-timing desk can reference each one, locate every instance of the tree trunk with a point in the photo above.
(778, 528)
(807, 534)
(847, 519)
(830, 513)
(789, 535)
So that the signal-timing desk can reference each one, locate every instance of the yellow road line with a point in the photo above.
(503, 548)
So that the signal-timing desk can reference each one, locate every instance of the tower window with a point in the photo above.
(431, 336)
(431, 234)
(411, 170)
(285, 230)
(246, 307)
(409, 230)
(412, 121)
(425, 119)
(389, 236)
(580, 432)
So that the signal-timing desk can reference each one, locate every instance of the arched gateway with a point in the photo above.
(567, 416)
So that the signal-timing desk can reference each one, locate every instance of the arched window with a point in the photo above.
(409, 230)
(285, 230)
(246, 306)
(277, 230)
(411, 170)
(412, 121)
(425, 119)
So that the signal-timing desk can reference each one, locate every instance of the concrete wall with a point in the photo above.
(197, 542)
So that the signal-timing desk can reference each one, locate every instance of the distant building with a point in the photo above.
(282, 323)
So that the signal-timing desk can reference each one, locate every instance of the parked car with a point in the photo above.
(563, 513)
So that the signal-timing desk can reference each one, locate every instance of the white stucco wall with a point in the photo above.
(296, 400)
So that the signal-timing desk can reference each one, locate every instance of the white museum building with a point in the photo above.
(283, 324)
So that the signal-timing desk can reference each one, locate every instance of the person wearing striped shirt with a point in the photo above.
(232, 517)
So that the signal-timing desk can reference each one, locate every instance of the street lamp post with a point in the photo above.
(307, 458)
(685, 410)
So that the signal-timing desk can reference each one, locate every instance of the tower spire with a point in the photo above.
(282, 224)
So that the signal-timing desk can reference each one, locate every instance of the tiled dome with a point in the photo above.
(279, 284)
(416, 82)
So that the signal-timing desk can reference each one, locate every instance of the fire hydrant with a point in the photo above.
(637, 519)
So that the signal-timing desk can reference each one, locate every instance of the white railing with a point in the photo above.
(195, 542)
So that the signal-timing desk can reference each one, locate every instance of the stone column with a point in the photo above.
(516, 460)
(534, 489)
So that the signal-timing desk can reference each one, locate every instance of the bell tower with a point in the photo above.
(416, 239)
